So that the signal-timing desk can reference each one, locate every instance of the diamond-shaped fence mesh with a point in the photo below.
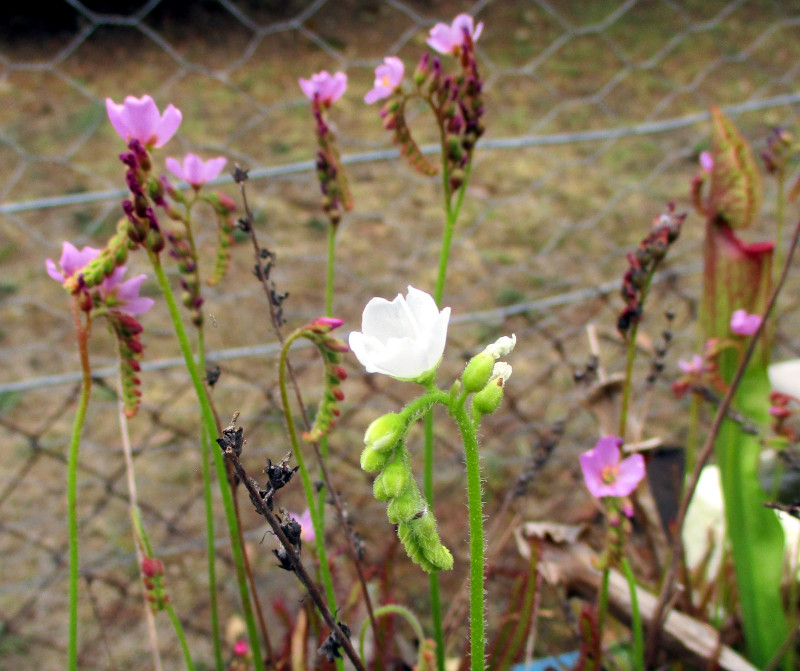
(595, 113)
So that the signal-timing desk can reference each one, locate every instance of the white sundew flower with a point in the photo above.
(403, 338)
(784, 377)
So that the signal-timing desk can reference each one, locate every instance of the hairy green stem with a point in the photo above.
(210, 426)
(477, 624)
(636, 618)
(602, 606)
(82, 333)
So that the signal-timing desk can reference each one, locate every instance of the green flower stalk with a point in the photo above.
(405, 339)
(737, 276)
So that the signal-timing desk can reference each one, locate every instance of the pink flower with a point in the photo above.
(744, 324)
(196, 171)
(139, 119)
(706, 161)
(693, 367)
(124, 296)
(71, 262)
(449, 39)
(240, 648)
(306, 526)
(387, 78)
(325, 87)
(605, 474)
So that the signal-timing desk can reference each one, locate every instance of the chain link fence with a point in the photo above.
(595, 115)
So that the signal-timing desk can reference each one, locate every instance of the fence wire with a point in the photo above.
(596, 113)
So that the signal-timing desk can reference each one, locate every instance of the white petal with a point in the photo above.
(384, 319)
(422, 306)
(785, 377)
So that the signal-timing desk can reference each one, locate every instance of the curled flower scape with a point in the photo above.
(449, 39)
(195, 170)
(71, 262)
(605, 474)
(324, 87)
(744, 324)
(139, 119)
(124, 296)
(387, 78)
(403, 338)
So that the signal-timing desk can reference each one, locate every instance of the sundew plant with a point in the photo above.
(642, 605)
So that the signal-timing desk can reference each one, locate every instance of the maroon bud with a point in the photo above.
(152, 567)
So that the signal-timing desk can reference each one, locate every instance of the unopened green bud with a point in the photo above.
(378, 490)
(385, 432)
(406, 506)
(155, 188)
(395, 476)
(488, 399)
(373, 460)
(478, 372)
(480, 368)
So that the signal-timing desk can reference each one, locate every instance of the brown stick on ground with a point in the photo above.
(683, 637)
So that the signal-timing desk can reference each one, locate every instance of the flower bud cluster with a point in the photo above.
(183, 252)
(781, 413)
(127, 330)
(101, 266)
(331, 349)
(330, 173)
(144, 227)
(153, 580)
(485, 377)
(385, 453)
(458, 102)
(642, 263)
(224, 208)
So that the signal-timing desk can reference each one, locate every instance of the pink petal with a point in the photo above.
(607, 451)
(337, 87)
(193, 169)
(378, 93)
(115, 115)
(308, 87)
(743, 323)
(141, 118)
(175, 168)
(168, 125)
(113, 280)
(629, 474)
(53, 271)
(137, 306)
(129, 289)
(395, 69)
(213, 167)
(460, 23)
(73, 260)
(441, 38)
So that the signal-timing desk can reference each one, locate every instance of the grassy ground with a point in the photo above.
(538, 222)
